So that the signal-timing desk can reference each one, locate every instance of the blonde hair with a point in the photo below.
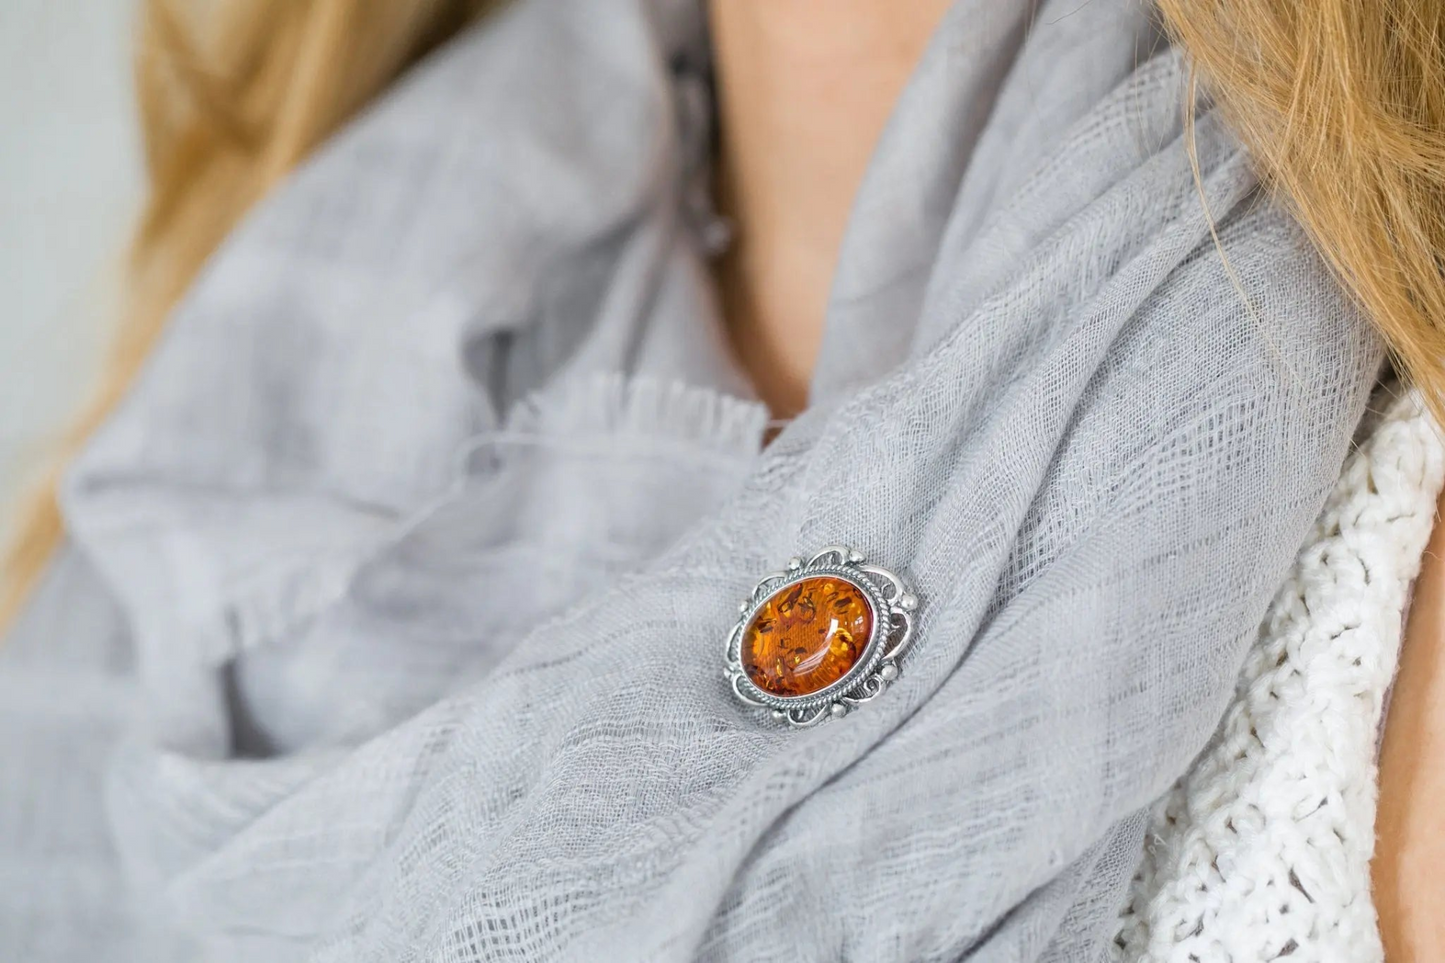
(1342, 104)
(228, 105)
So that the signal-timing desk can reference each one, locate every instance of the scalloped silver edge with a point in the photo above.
(892, 605)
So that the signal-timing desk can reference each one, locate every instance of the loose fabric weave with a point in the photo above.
(1262, 852)
(408, 561)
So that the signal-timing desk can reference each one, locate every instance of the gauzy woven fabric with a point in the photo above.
(1262, 852)
(409, 558)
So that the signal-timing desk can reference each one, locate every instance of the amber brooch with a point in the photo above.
(821, 638)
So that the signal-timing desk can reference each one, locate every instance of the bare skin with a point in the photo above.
(805, 87)
(1410, 826)
(801, 109)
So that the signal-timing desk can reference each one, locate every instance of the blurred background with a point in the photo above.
(70, 179)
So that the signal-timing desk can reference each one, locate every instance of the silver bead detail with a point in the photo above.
(891, 627)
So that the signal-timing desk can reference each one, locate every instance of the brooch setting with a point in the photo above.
(821, 638)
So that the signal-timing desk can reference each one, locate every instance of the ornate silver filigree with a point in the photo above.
(892, 606)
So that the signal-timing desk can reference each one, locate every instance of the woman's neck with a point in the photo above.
(804, 89)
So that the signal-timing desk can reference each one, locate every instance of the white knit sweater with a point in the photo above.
(1262, 851)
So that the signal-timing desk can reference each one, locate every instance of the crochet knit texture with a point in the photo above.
(1262, 851)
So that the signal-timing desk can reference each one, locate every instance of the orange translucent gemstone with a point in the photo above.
(806, 636)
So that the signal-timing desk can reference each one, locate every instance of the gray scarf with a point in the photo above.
(433, 510)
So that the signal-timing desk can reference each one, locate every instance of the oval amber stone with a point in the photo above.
(806, 636)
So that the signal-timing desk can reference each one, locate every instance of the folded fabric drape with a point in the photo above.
(431, 512)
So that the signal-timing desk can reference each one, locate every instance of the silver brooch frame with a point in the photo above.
(892, 606)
